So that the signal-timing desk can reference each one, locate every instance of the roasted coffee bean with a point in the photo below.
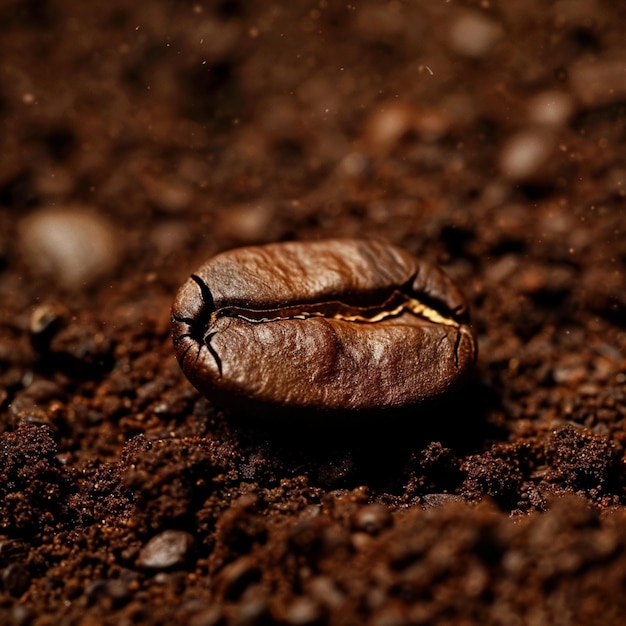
(342, 325)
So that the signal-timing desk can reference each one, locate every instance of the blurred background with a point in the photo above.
(488, 135)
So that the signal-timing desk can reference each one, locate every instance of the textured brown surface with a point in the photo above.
(488, 138)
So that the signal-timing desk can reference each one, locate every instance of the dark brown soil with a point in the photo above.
(487, 137)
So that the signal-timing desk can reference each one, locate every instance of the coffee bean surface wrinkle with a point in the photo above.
(341, 325)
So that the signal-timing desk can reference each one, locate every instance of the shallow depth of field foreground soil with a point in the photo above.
(140, 138)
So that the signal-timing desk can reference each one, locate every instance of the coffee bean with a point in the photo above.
(341, 325)
(168, 549)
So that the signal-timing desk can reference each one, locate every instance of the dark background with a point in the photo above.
(140, 138)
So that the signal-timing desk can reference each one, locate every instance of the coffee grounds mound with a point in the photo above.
(140, 139)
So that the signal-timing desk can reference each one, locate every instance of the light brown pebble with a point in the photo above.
(473, 35)
(524, 155)
(551, 108)
(302, 611)
(74, 245)
(246, 223)
(326, 592)
(45, 316)
(387, 126)
(168, 549)
(252, 608)
(169, 195)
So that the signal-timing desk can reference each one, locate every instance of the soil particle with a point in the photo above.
(167, 549)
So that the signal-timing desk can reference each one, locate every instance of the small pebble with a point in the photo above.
(252, 608)
(326, 592)
(24, 410)
(302, 611)
(524, 155)
(46, 315)
(45, 321)
(502, 269)
(354, 165)
(387, 125)
(246, 223)
(74, 245)
(169, 195)
(588, 389)
(569, 375)
(168, 549)
(393, 121)
(21, 615)
(473, 34)
(551, 108)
